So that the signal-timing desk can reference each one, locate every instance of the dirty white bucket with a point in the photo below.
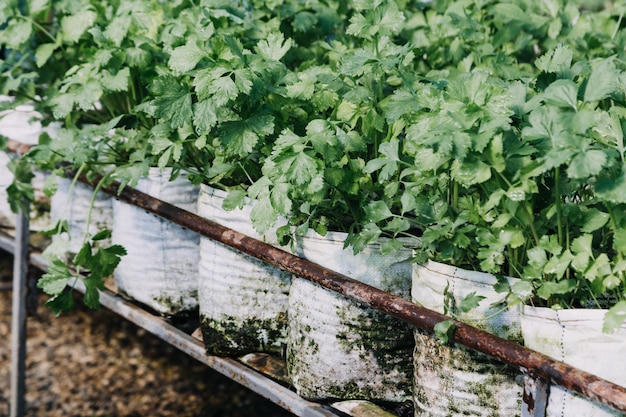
(338, 348)
(453, 380)
(160, 269)
(23, 124)
(7, 217)
(72, 205)
(575, 337)
(243, 301)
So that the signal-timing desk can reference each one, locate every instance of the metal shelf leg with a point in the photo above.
(18, 318)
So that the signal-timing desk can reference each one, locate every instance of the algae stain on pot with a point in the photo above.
(176, 302)
(338, 349)
(231, 336)
(456, 381)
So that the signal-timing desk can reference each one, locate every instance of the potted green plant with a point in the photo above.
(221, 109)
(314, 178)
(535, 193)
(110, 52)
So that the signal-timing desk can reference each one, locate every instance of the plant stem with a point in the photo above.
(557, 201)
(94, 195)
(531, 223)
(44, 30)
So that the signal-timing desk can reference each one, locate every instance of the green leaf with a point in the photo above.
(550, 288)
(93, 285)
(263, 215)
(204, 116)
(613, 190)
(523, 290)
(105, 260)
(172, 102)
(43, 53)
(54, 281)
(390, 246)
(73, 27)
(615, 317)
(299, 168)
(398, 225)
(602, 81)
(619, 241)
(377, 211)
(379, 19)
(470, 302)
(558, 60)
(274, 47)
(117, 82)
(117, 29)
(593, 220)
(444, 331)
(16, 33)
(101, 235)
(562, 93)
(587, 163)
(84, 255)
(240, 137)
(61, 303)
(369, 234)
(235, 199)
(186, 57)
(558, 264)
(468, 173)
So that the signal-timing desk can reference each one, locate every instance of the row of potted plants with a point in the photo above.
(483, 135)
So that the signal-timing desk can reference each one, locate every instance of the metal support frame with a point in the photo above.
(529, 362)
(18, 318)
(537, 368)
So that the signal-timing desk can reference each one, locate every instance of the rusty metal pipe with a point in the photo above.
(513, 354)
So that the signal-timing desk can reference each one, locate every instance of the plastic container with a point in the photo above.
(161, 267)
(243, 301)
(451, 380)
(339, 349)
(575, 337)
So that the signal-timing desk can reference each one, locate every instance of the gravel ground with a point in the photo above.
(96, 364)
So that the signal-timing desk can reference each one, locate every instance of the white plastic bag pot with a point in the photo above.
(72, 205)
(23, 124)
(243, 301)
(453, 380)
(160, 269)
(575, 337)
(338, 348)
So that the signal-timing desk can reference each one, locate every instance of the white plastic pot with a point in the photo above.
(575, 337)
(72, 205)
(453, 380)
(243, 301)
(161, 267)
(23, 124)
(339, 349)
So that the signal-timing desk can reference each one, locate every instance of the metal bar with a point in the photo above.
(535, 397)
(17, 147)
(526, 360)
(18, 319)
(7, 244)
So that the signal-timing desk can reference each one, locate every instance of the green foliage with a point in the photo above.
(90, 266)
(491, 132)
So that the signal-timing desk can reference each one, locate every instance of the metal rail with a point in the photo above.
(18, 318)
